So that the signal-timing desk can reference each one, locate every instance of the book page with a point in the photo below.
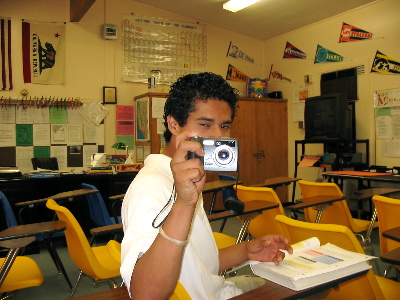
(311, 262)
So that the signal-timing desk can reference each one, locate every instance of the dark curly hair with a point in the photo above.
(188, 89)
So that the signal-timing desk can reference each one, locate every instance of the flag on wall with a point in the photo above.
(293, 52)
(235, 74)
(385, 64)
(235, 52)
(5, 54)
(324, 55)
(350, 33)
(275, 75)
(43, 50)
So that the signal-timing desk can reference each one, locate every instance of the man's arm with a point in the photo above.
(157, 271)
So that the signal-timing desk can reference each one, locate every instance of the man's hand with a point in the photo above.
(267, 248)
(189, 175)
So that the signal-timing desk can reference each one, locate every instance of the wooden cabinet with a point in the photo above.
(261, 126)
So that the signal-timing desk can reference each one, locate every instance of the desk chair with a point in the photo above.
(264, 223)
(337, 213)
(96, 262)
(369, 286)
(388, 210)
(227, 193)
(11, 221)
(45, 163)
(98, 210)
(23, 273)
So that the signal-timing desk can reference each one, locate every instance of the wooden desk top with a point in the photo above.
(277, 181)
(269, 290)
(314, 201)
(60, 196)
(392, 257)
(393, 234)
(255, 206)
(217, 185)
(32, 230)
(17, 243)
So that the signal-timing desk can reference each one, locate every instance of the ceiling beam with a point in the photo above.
(78, 8)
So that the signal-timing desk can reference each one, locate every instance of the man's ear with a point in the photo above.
(173, 125)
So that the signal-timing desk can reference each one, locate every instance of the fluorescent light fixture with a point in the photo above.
(236, 5)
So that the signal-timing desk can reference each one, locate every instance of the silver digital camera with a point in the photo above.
(219, 154)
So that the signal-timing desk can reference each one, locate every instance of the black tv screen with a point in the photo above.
(329, 117)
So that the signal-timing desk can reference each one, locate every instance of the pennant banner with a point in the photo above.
(293, 52)
(275, 75)
(233, 51)
(5, 54)
(43, 49)
(385, 64)
(236, 75)
(324, 55)
(351, 33)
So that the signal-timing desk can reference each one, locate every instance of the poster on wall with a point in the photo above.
(175, 48)
(43, 50)
(235, 74)
(387, 98)
(142, 120)
(6, 82)
(293, 52)
(385, 64)
(350, 33)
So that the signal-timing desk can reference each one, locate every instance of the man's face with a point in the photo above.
(211, 119)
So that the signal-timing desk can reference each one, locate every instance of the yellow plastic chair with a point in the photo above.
(23, 273)
(96, 262)
(388, 214)
(369, 286)
(264, 223)
(337, 213)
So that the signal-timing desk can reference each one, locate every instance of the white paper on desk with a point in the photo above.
(309, 160)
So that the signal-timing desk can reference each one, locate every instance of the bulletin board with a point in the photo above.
(50, 128)
(387, 126)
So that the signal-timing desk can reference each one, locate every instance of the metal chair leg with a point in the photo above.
(76, 284)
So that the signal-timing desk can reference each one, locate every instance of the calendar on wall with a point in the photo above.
(173, 47)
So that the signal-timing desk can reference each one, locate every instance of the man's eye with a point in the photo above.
(226, 126)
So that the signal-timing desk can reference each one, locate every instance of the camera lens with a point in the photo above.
(223, 154)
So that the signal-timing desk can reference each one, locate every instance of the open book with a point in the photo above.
(311, 265)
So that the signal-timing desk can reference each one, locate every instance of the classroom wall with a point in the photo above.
(93, 62)
(380, 18)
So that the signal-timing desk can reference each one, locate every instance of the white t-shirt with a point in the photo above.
(145, 198)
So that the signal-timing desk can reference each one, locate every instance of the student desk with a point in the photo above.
(321, 202)
(339, 176)
(216, 186)
(18, 237)
(269, 290)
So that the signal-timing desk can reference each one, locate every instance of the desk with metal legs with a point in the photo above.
(320, 202)
(12, 236)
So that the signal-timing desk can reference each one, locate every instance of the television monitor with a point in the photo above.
(329, 117)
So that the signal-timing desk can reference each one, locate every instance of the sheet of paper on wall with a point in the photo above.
(41, 134)
(88, 151)
(160, 126)
(7, 135)
(61, 153)
(7, 116)
(24, 116)
(157, 108)
(41, 115)
(94, 113)
(75, 135)
(23, 158)
(390, 148)
(89, 133)
(383, 125)
(74, 117)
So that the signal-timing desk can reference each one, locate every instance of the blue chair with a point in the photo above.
(98, 209)
(11, 221)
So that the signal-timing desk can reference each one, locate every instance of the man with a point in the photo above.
(167, 234)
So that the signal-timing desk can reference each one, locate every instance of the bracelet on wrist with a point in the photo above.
(176, 242)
